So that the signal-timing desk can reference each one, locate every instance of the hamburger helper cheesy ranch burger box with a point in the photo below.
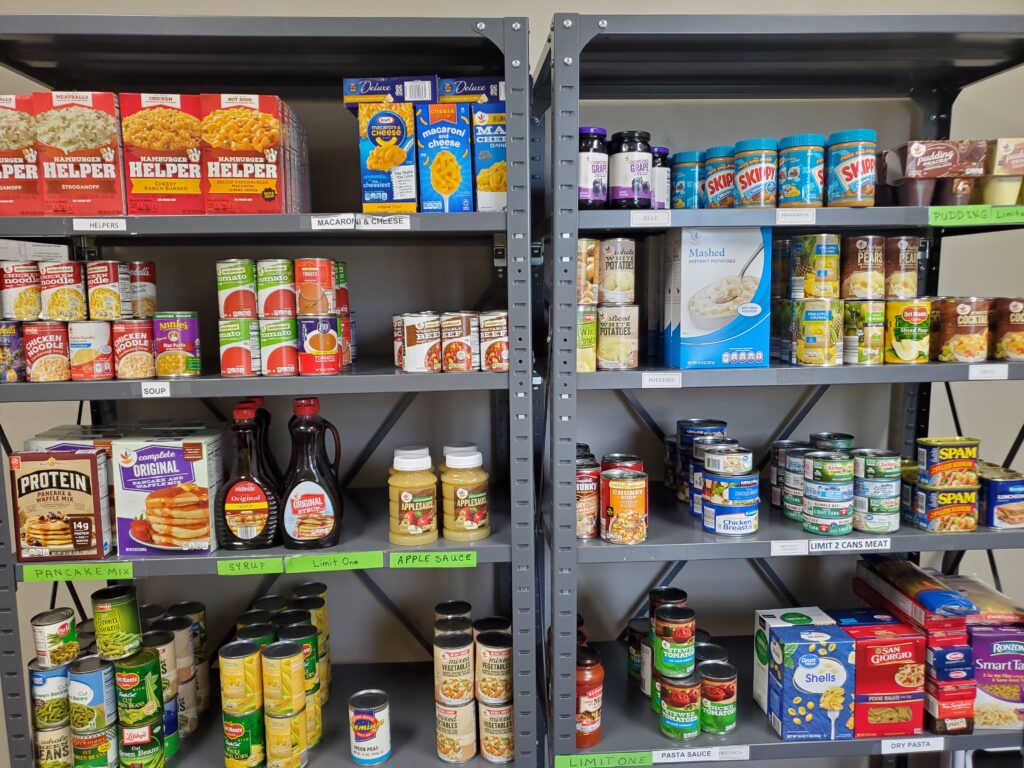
(999, 672)
(165, 487)
(723, 317)
(768, 620)
(19, 172)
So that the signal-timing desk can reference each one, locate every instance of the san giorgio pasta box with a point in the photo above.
(387, 157)
(443, 148)
(490, 153)
(889, 690)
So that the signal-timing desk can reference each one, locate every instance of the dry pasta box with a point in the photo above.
(490, 156)
(999, 674)
(471, 89)
(811, 683)
(724, 314)
(444, 158)
(19, 171)
(889, 686)
(387, 157)
(765, 622)
(165, 488)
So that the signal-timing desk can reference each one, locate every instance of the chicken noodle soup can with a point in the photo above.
(314, 286)
(109, 285)
(318, 345)
(62, 288)
(718, 681)
(678, 705)
(863, 332)
(91, 693)
(674, 640)
(20, 293)
(369, 720)
(244, 740)
(162, 642)
(494, 349)
(90, 350)
(623, 511)
(275, 288)
(115, 615)
(279, 346)
(456, 732)
(497, 733)
(46, 351)
(453, 668)
(95, 750)
(239, 347)
(176, 344)
(618, 345)
(132, 343)
(236, 288)
(287, 740)
(241, 677)
(284, 691)
(142, 281)
(494, 667)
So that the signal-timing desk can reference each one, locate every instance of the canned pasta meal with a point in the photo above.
(91, 350)
(176, 344)
(91, 693)
(46, 351)
(964, 329)
(617, 271)
(110, 290)
(456, 731)
(275, 288)
(623, 510)
(863, 267)
(287, 740)
(142, 281)
(494, 667)
(244, 738)
(55, 637)
(369, 718)
(729, 520)
(901, 259)
(48, 689)
(62, 287)
(718, 681)
(947, 462)
(679, 706)
(95, 750)
(422, 342)
(863, 332)
(828, 466)
(727, 459)
(284, 692)
(20, 293)
(497, 737)
(588, 497)
(241, 678)
(494, 349)
(132, 343)
(460, 341)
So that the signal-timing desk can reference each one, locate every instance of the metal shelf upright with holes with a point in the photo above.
(306, 59)
(927, 59)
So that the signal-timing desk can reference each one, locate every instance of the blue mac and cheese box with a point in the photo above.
(810, 683)
(490, 153)
(471, 89)
(444, 146)
(381, 90)
(387, 158)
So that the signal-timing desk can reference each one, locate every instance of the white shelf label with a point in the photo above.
(99, 225)
(988, 372)
(659, 218)
(661, 380)
(156, 389)
(700, 754)
(850, 545)
(789, 548)
(393, 222)
(324, 221)
(795, 216)
(903, 746)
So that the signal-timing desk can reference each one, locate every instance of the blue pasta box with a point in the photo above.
(954, 656)
(490, 153)
(387, 158)
(811, 672)
(471, 89)
(444, 147)
(382, 90)
(862, 617)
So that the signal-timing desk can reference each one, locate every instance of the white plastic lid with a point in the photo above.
(464, 460)
(411, 463)
(458, 447)
(412, 450)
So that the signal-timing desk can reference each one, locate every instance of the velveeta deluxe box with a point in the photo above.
(764, 623)
(471, 89)
(811, 683)
(385, 90)
(19, 172)
(724, 302)
(444, 156)
(387, 157)
(889, 689)
(165, 487)
(490, 156)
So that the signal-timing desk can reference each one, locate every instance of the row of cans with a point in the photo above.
(78, 290)
(607, 337)
(611, 497)
(313, 345)
(429, 342)
(606, 271)
(274, 288)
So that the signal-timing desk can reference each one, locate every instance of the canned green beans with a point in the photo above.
(828, 466)
(728, 459)
(91, 693)
(163, 643)
(184, 652)
(137, 687)
(876, 464)
(95, 750)
(49, 691)
(832, 441)
(116, 616)
(244, 740)
(142, 745)
(710, 652)
(55, 637)
(53, 747)
(718, 681)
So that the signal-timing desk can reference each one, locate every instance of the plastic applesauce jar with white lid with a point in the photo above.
(412, 497)
(407, 451)
(457, 446)
(465, 498)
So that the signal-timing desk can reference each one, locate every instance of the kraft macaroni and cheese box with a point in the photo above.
(764, 623)
(471, 89)
(387, 158)
(382, 90)
(724, 302)
(444, 147)
(490, 155)
(811, 683)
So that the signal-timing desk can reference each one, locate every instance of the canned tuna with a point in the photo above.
(828, 526)
(865, 505)
(872, 522)
(875, 464)
(827, 509)
(828, 467)
(820, 491)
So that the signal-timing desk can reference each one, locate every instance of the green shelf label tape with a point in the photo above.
(433, 560)
(1008, 214)
(78, 572)
(974, 215)
(250, 566)
(607, 760)
(334, 561)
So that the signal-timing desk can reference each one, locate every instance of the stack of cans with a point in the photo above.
(828, 493)
(876, 490)
(792, 469)
(731, 490)
(777, 470)
(695, 477)
(686, 431)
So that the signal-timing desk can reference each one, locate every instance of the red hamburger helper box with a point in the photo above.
(78, 142)
(19, 172)
(889, 688)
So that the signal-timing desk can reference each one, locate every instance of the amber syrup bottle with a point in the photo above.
(248, 509)
(334, 466)
(267, 460)
(311, 505)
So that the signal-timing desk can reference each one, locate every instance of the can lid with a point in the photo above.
(453, 608)
(292, 616)
(696, 156)
(686, 681)
(452, 624)
(711, 652)
(493, 624)
(53, 616)
(452, 640)
(639, 626)
(853, 134)
(371, 698)
(494, 639)
(239, 649)
(282, 650)
(310, 589)
(311, 603)
(86, 664)
(117, 592)
(592, 130)
(662, 595)
(674, 613)
(296, 632)
(723, 150)
(255, 631)
(271, 603)
(763, 142)
(157, 637)
(173, 623)
(716, 670)
(802, 140)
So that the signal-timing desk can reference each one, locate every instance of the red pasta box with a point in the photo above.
(19, 172)
(889, 689)
(161, 134)
(949, 707)
(78, 140)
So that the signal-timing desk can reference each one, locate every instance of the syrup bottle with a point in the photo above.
(267, 459)
(247, 510)
(335, 465)
(311, 508)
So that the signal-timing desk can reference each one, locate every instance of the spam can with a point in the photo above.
(814, 489)
(946, 510)
(731, 490)
(876, 489)
(95, 750)
(729, 520)
(876, 464)
(947, 462)
(828, 466)
(91, 693)
(828, 526)
(244, 740)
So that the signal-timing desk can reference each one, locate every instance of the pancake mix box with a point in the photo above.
(165, 487)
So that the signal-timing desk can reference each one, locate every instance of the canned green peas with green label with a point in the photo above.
(115, 614)
(717, 697)
(243, 740)
(137, 687)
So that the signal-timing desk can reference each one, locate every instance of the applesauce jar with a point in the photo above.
(464, 493)
(412, 508)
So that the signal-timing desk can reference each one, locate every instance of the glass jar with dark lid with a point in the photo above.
(661, 178)
(629, 170)
(592, 186)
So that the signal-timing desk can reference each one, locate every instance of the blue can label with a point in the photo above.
(729, 521)
(851, 172)
(801, 177)
(876, 489)
(828, 491)
(731, 490)
(687, 185)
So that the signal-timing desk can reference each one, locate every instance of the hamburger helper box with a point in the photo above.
(999, 673)
(19, 171)
(764, 623)
(889, 689)
(165, 488)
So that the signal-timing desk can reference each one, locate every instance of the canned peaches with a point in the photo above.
(20, 291)
(62, 286)
(109, 284)
(314, 286)
(279, 346)
(91, 353)
(318, 345)
(142, 279)
(275, 288)
(133, 349)
(46, 351)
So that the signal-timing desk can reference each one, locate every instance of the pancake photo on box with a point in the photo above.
(177, 517)
(50, 531)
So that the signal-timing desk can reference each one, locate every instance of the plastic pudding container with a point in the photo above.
(1000, 190)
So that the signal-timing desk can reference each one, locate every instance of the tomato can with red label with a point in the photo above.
(318, 345)
(46, 351)
(623, 510)
(91, 350)
(279, 346)
(142, 280)
(62, 286)
(132, 343)
(314, 286)
(341, 287)
(622, 461)
(240, 347)
(110, 290)
(345, 339)
(460, 341)
(588, 497)
(19, 291)
(494, 352)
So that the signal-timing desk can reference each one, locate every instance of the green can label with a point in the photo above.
(138, 687)
(675, 647)
(718, 706)
(680, 710)
(142, 745)
(95, 750)
(243, 740)
(117, 628)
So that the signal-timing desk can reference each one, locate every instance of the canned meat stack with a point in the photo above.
(453, 342)
(946, 498)
(695, 478)
(731, 490)
(285, 723)
(57, 646)
(793, 481)
(876, 490)
(777, 470)
(686, 431)
(828, 492)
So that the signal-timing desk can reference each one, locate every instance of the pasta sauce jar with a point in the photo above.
(589, 696)
(629, 170)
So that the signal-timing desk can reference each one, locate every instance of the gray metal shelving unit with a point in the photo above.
(306, 58)
(928, 59)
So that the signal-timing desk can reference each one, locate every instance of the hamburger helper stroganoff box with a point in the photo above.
(165, 487)
(722, 318)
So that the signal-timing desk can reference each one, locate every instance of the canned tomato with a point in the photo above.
(947, 462)
(398, 339)
(494, 667)
(275, 288)
(91, 693)
(679, 708)
(314, 286)
(91, 350)
(901, 257)
(736, 490)
(95, 750)
(132, 343)
(877, 489)
(279, 346)
(460, 341)
(184, 652)
(863, 332)
(345, 339)
(964, 329)
(876, 522)
(46, 351)
(12, 354)
(142, 288)
(115, 615)
(304, 636)
(819, 491)
(617, 271)
(244, 740)
(53, 746)
(341, 301)
(828, 526)
(863, 267)
(827, 509)
(497, 740)
(48, 689)
(587, 255)
(727, 459)
(236, 288)
(494, 351)
(422, 342)
(162, 642)
(815, 267)
(456, 732)
(137, 687)
(623, 511)
(110, 290)
(55, 637)
(1009, 329)
(62, 287)
(369, 719)
(287, 740)
(318, 345)
(870, 505)
(618, 345)
(353, 342)
(818, 331)
(718, 681)
(729, 520)
(453, 668)
(828, 466)
(239, 347)
(283, 679)
(20, 292)
(622, 461)
(832, 441)
(588, 497)
(674, 640)
(176, 344)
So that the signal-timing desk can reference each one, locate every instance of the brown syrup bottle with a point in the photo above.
(247, 511)
(311, 504)
(267, 460)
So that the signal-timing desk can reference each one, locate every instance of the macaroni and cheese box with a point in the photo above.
(444, 147)
(471, 89)
(384, 90)
(78, 143)
(811, 683)
(165, 488)
(999, 673)
(889, 689)
(387, 158)
(490, 156)
(767, 621)
(19, 172)
(162, 134)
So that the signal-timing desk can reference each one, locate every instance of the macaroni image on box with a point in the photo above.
(490, 156)
(471, 89)
(387, 158)
(765, 622)
(384, 90)
(445, 166)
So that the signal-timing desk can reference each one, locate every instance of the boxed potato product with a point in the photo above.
(889, 689)
(165, 486)
(19, 171)
(60, 505)
(999, 673)
(471, 89)
(387, 158)
(444, 164)
(78, 141)
(767, 621)
(490, 156)
(382, 90)
(162, 133)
